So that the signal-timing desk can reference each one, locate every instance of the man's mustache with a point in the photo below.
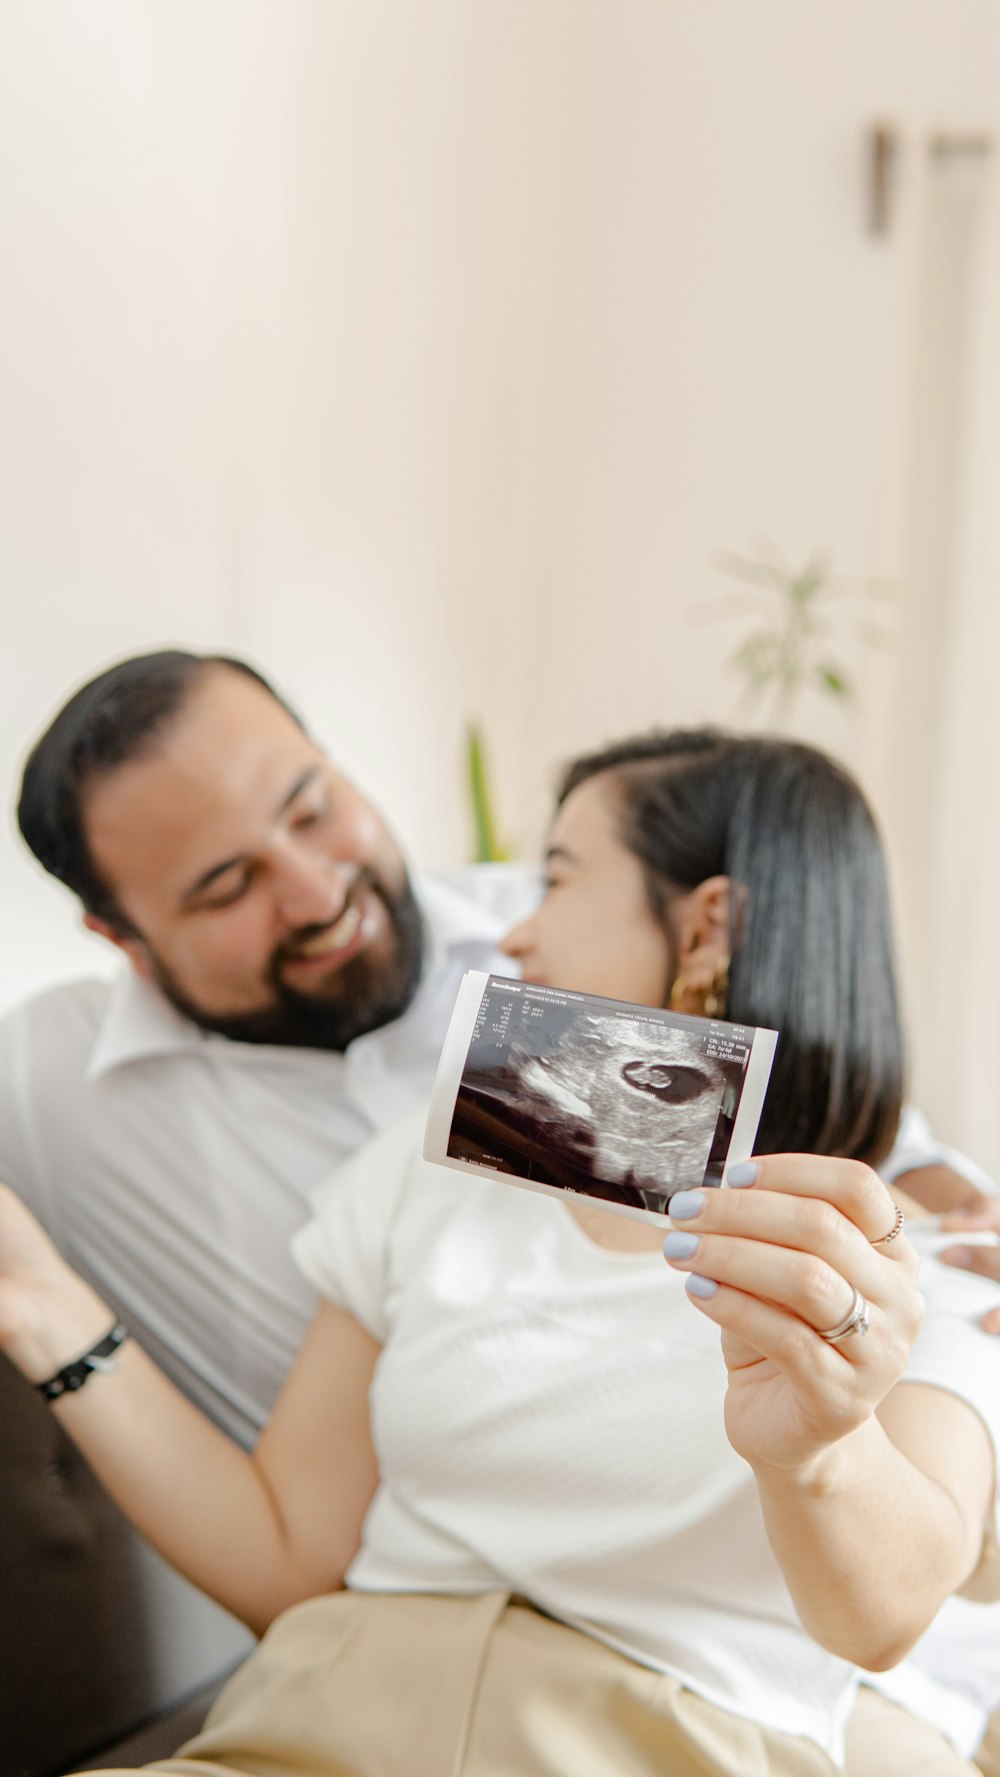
(288, 951)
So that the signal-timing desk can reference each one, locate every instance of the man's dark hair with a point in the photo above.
(115, 718)
(811, 928)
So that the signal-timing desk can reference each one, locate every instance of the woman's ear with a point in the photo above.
(703, 919)
(703, 923)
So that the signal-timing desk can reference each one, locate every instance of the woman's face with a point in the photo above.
(594, 931)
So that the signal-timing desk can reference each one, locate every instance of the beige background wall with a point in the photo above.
(428, 351)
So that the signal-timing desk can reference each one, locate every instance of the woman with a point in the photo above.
(573, 1540)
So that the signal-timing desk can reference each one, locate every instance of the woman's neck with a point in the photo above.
(619, 1234)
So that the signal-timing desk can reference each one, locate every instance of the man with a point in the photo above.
(287, 993)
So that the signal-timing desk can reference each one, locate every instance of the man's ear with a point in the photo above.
(132, 947)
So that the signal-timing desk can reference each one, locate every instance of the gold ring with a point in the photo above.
(893, 1231)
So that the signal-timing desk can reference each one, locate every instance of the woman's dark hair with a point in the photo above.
(811, 937)
(117, 717)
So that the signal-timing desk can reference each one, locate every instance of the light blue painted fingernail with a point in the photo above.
(743, 1174)
(696, 1285)
(685, 1205)
(680, 1246)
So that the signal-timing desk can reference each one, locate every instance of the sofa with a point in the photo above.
(107, 1657)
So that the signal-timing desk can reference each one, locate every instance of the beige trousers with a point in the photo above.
(359, 1685)
(886, 1741)
(988, 1756)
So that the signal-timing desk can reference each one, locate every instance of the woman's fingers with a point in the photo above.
(797, 1240)
(778, 1264)
(791, 1393)
(809, 1227)
(769, 1332)
(850, 1186)
(799, 1282)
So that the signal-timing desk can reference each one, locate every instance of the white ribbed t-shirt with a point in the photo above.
(548, 1419)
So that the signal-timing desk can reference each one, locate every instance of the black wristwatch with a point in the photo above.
(100, 1357)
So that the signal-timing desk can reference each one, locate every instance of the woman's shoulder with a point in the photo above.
(361, 1212)
(383, 1180)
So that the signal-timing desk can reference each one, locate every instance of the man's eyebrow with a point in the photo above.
(560, 854)
(209, 876)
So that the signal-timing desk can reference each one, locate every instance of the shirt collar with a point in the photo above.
(139, 1022)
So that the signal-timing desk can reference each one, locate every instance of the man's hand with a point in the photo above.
(981, 1212)
(48, 1315)
(937, 1190)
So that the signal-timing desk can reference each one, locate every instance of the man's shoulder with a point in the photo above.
(485, 898)
(46, 1043)
(71, 1009)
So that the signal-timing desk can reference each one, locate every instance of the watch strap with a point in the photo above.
(101, 1358)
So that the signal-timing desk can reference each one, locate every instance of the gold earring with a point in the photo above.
(677, 993)
(706, 1002)
(714, 1001)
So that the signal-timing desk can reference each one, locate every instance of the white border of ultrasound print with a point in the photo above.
(451, 1067)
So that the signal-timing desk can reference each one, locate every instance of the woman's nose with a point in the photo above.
(517, 941)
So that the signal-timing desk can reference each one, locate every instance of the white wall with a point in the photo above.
(427, 352)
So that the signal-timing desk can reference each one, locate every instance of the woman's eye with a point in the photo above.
(672, 1083)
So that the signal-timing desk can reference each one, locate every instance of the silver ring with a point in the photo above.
(893, 1231)
(857, 1321)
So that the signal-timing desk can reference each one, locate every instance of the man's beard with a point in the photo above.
(365, 994)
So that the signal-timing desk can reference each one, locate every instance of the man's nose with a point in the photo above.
(312, 889)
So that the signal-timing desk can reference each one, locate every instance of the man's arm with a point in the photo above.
(17, 1162)
(259, 1532)
(959, 1209)
(45, 1045)
(982, 1213)
(938, 1189)
(945, 1183)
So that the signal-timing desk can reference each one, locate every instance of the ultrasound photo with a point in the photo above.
(574, 1093)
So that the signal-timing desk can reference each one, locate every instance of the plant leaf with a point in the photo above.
(832, 679)
(487, 849)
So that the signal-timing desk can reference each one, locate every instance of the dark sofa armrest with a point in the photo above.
(97, 1635)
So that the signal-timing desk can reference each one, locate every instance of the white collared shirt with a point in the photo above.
(172, 1166)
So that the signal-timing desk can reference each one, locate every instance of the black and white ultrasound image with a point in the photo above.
(596, 1097)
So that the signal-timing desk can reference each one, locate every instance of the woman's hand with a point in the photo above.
(874, 1518)
(48, 1315)
(775, 1266)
